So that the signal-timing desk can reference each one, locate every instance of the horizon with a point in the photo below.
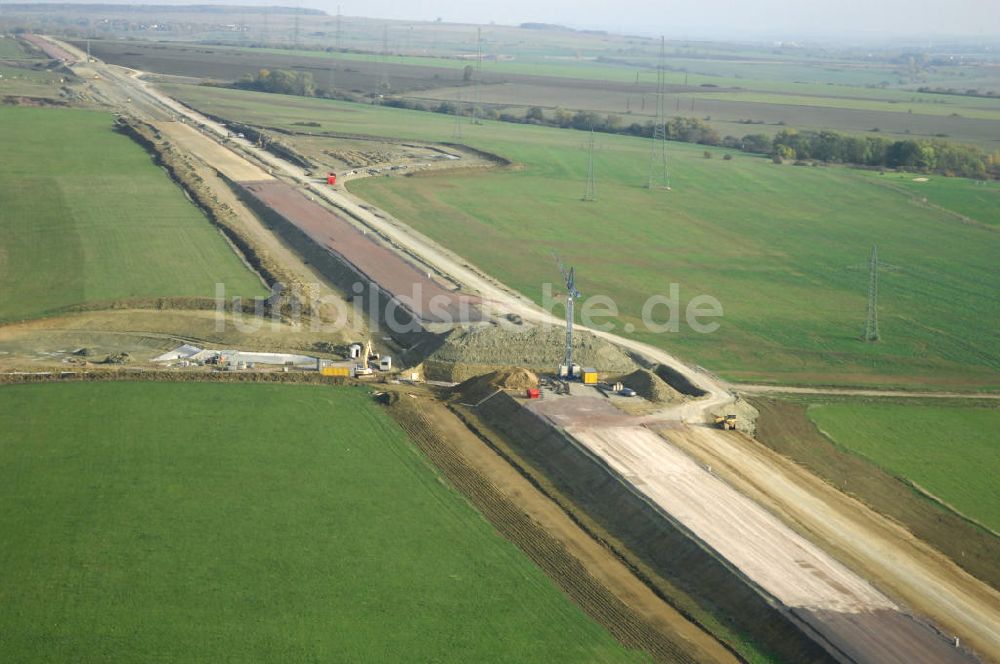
(768, 20)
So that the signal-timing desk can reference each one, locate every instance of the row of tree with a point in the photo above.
(930, 155)
(280, 81)
(927, 155)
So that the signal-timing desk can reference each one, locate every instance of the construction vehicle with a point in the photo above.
(368, 355)
(726, 422)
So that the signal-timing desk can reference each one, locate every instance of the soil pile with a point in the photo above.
(478, 388)
(650, 386)
(474, 351)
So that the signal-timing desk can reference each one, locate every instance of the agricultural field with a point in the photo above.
(729, 88)
(952, 452)
(241, 522)
(783, 248)
(29, 82)
(88, 218)
(11, 48)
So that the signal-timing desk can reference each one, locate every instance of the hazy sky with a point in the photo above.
(790, 17)
(772, 19)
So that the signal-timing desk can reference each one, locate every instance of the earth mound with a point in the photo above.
(650, 386)
(478, 388)
(473, 351)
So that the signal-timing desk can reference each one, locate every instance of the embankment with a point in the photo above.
(676, 566)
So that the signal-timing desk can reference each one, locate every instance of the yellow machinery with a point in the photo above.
(589, 376)
(727, 422)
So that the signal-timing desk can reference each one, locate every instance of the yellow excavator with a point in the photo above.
(726, 422)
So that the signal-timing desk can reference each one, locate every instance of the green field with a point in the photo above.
(10, 48)
(952, 452)
(87, 217)
(241, 523)
(783, 248)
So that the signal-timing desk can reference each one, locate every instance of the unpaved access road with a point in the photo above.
(899, 563)
(190, 140)
(859, 392)
(855, 620)
(413, 289)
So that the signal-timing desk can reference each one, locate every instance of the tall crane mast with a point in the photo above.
(569, 276)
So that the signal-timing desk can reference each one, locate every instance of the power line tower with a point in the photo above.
(572, 294)
(590, 195)
(336, 42)
(658, 177)
(871, 322)
(295, 26)
(478, 97)
(383, 83)
(456, 130)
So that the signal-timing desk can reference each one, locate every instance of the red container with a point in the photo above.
(331, 178)
(534, 393)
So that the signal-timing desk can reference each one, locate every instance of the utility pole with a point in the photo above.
(590, 195)
(871, 322)
(658, 177)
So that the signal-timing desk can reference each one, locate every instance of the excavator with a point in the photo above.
(726, 422)
(368, 355)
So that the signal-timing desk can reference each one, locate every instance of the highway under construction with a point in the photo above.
(832, 579)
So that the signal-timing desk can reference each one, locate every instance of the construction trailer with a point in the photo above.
(339, 371)
(589, 376)
(566, 372)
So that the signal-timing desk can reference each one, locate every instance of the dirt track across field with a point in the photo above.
(860, 392)
(417, 291)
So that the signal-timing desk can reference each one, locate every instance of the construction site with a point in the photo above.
(631, 477)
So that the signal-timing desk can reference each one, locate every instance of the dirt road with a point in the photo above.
(899, 563)
(413, 289)
(780, 389)
(851, 615)
(227, 162)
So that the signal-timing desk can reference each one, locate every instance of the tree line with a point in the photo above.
(921, 155)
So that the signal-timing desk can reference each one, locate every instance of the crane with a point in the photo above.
(572, 294)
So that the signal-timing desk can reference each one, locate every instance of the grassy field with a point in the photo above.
(952, 452)
(10, 48)
(240, 523)
(87, 217)
(783, 248)
(977, 201)
(784, 425)
(29, 82)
